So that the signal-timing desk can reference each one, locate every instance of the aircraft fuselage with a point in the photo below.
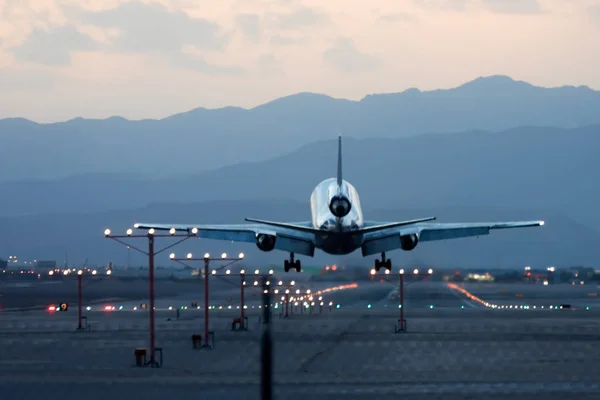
(337, 236)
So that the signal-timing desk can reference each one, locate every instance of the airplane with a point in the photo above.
(337, 227)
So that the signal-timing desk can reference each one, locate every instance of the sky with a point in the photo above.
(61, 59)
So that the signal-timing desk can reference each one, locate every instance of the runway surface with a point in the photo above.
(459, 345)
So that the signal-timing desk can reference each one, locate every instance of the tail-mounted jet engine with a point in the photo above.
(265, 242)
(340, 206)
(409, 242)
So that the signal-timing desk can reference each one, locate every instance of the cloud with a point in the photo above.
(444, 5)
(301, 18)
(398, 17)
(151, 27)
(54, 46)
(286, 40)
(250, 26)
(23, 79)
(268, 65)
(512, 6)
(344, 56)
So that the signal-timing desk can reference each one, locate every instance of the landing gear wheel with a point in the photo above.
(388, 264)
(286, 266)
(298, 266)
(377, 265)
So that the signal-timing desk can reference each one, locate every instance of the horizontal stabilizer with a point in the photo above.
(284, 225)
(376, 228)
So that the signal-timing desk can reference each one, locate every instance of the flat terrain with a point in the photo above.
(455, 347)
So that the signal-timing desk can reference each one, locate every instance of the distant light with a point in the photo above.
(106, 232)
(88, 308)
(194, 230)
(430, 271)
(206, 255)
(224, 255)
(50, 272)
(172, 256)
(416, 271)
(542, 223)
(292, 283)
(80, 272)
(66, 271)
(270, 272)
(242, 272)
(189, 255)
(214, 271)
(387, 271)
(241, 255)
(129, 232)
(172, 231)
(369, 306)
(401, 271)
(373, 272)
(108, 272)
(228, 272)
(120, 308)
(256, 272)
(151, 231)
(431, 306)
(94, 272)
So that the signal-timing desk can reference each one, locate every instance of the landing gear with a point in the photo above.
(383, 263)
(291, 263)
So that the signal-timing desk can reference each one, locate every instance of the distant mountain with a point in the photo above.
(203, 139)
(534, 168)
(560, 242)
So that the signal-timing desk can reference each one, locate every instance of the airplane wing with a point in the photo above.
(287, 238)
(381, 240)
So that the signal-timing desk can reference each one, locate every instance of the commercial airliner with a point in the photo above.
(338, 227)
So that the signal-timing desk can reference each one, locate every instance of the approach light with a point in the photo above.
(194, 230)
(129, 232)
(401, 271)
(387, 271)
(189, 255)
(151, 231)
(228, 272)
(172, 256)
(206, 256)
(373, 272)
(106, 232)
(80, 272)
(242, 272)
(416, 271)
(256, 272)
(292, 283)
(241, 255)
(430, 271)
(270, 272)
(94, 272)
(108, 272)
(66, 271)
(172, 231)
(224, 255)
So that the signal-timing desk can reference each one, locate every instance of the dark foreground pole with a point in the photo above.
(79, 301)
(206, 313)
(152, 361)
(266, 379)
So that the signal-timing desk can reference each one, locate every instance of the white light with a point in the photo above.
(136, 226)
(228, 272)
(287, 291)
(108, 272)
(542, 223)
(50, 272)
(206, 255)
(151, 231)
(297, 291)
(387, 271)
(106, 232)
(255, 283)
(256, 272)
(276, 291)
(214, 271)
(129, 232)
(373, 272)
(94, 272)
(172, 256)
(307, 291)
(293, 283)
(270, 272)
(241, 255)
(242, 272)
(224, 255)
(189, 255)
(80, 272)
(280, 283)
(194, 230)
(172, 231)
(401, 271)
(430, 271)
(416, 271)
(66, 272)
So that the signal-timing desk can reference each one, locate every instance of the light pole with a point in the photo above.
(151, 253)
(207, 259)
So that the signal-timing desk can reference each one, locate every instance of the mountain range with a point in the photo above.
(203, 139)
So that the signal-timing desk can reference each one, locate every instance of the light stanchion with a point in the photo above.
(151, 253)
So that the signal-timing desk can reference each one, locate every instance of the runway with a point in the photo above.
(455, 347)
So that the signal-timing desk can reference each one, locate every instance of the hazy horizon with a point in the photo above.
(62, 59)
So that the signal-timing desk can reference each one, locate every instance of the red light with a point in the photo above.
(107, 308)
(52, 308)
(333, 268)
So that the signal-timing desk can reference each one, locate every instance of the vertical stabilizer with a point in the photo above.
(339, 166)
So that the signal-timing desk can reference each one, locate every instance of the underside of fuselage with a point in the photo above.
(338, 235)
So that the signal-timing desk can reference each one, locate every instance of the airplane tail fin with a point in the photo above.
(339, 166)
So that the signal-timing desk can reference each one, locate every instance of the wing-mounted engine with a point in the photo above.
(265, 242)
(339, 205)
(409, 242)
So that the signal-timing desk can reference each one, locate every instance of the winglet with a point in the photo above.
(339, 166)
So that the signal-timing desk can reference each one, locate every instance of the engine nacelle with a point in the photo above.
(265, 242)
(409, 242)
(340, 206)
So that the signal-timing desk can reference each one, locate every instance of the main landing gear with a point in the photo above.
(383, 263)
(289, 264)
